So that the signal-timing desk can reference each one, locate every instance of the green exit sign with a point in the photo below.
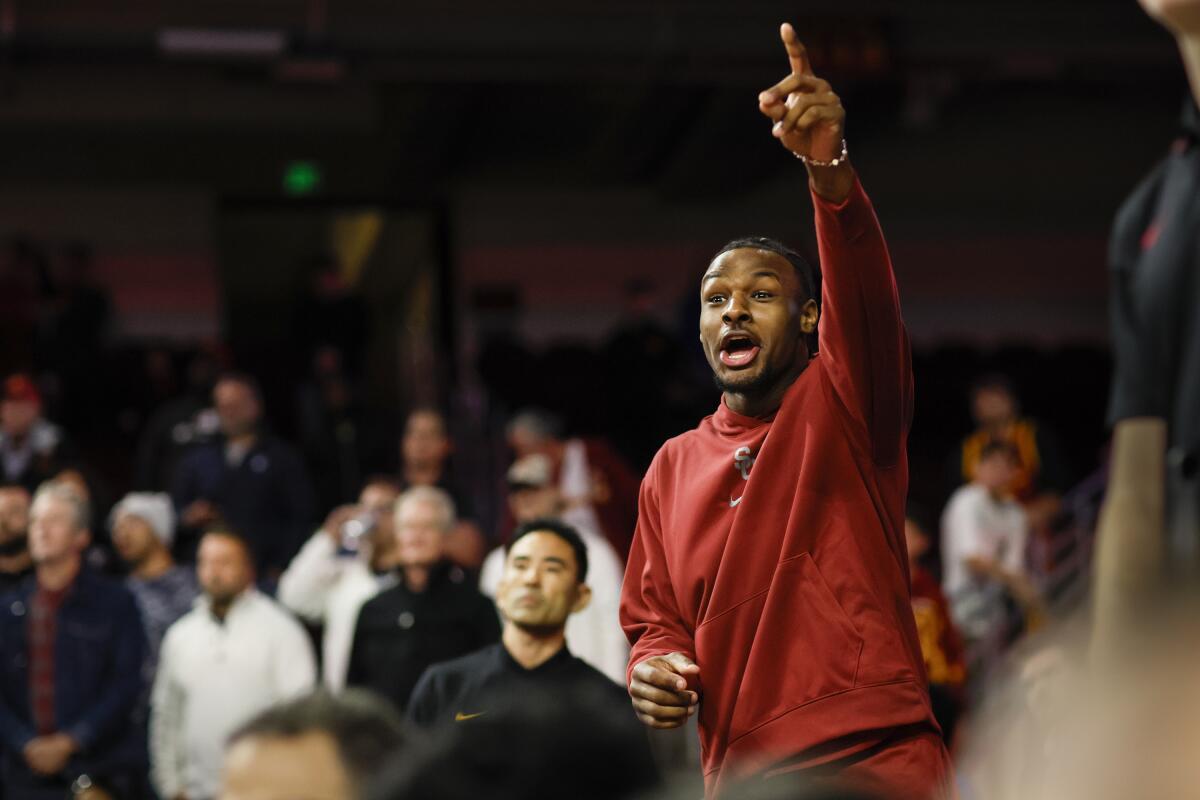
(301, 177)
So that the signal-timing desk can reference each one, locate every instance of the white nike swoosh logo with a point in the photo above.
(733, 502)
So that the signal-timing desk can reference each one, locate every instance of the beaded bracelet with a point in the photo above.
(812, 162)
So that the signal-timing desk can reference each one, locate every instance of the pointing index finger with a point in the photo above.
(797, 55)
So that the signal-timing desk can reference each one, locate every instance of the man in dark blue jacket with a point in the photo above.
(71, 649)
(252, 480)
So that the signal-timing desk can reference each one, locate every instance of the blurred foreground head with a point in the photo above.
(577, 746)
(317, 747)
(1066, 724)
(782, 787)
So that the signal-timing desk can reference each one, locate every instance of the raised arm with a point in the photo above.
(861, 334)
(305, 586)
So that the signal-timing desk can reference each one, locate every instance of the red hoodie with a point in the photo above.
(771, 551)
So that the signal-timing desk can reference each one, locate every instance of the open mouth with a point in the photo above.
(738, 350)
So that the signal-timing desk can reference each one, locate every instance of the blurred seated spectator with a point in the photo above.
(178, 425)
(349, 560)
(143, 528)
(233, 655)
(72, 647)
(16, 564)
(425, 451)
(249, 478)
(316, 746)
(1041, 475)
(593, 479)
(32, 449)
(984, 537)
(545, 581)
(941, 643)
(433, 614)
(595, 631)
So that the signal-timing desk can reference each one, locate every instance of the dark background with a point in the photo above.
(492, 178)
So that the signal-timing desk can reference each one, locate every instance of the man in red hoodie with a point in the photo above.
(767, 586)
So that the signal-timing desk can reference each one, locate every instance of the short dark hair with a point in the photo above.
(530, 747)
(563, 531)
(364, 726)
(997, 447)
(808, 273)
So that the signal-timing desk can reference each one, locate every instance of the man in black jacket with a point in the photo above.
(71, 650)
(544, 582)
(252, 480)
(434, 614)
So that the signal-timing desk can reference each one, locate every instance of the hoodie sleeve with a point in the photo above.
(649, 614)
(861, 333)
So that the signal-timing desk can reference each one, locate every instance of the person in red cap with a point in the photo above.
(767, 589)
(32, 449)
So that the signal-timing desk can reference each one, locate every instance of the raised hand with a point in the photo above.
(808, 116)
(658, 687)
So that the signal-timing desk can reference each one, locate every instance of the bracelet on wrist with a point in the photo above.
(838, 160)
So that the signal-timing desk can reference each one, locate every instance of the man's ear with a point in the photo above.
(808, 316)
(583, 598)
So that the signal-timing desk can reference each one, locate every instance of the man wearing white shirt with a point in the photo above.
(984, 536)
(336, 572)
(233, 655)
(595, 632)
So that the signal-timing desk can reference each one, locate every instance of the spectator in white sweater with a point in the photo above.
(349, 560)
(233, 655)
(985, 533)
(595, 632)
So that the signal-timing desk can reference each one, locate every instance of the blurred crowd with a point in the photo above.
(148, 642)
(345, 614)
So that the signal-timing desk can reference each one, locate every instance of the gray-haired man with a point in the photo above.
(433, 614)
(71, 643)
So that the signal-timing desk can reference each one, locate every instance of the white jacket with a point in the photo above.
(976, 525)
(326, 588)
(214, 676)
(594, 634)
